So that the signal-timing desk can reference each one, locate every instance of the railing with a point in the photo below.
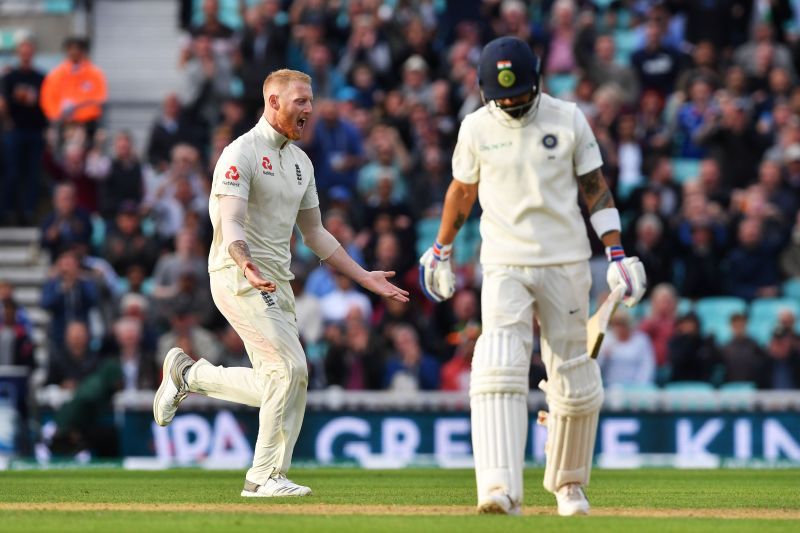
(335, 399)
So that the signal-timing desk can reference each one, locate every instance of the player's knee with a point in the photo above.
(500, 364)
(574, 386)
(298, 372)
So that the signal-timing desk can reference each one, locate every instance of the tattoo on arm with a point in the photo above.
(240, 252)
(460, 219)
(595, 191)
(604, 201)
(590, 183)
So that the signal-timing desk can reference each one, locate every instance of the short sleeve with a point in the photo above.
(233, 174)
(466, 165)
(310, 198)
(587, 153)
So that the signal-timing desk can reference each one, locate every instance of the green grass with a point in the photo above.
(653, 489)
(124, 521)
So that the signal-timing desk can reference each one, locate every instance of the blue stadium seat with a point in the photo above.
(760, 329)
(7, 39)
(715, 313)
(791, 288)
(642, 309)
(560, 84)
(228, 12)
(467, 243)
(124, 286)
(685, 305)
(717, 327)
(602, 4)
(768, 308)
(626, 42)
(636, 396)
(738, 386)
(684, 169)
(58, 7)
(624, 190)
(737, 395)
(426, 233)
(689, 395)
(98, 232)
(726, 305)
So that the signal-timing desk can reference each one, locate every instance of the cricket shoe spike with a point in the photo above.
(173, 389)
(276, 487)
(572, 500)
(499, 502)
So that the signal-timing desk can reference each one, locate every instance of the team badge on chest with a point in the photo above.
(549, 141)
(266, 164)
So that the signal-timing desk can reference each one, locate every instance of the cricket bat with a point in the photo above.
(598, 322)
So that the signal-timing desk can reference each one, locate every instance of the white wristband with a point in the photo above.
(606, 220)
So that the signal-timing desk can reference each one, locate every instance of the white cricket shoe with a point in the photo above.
(571, 500)
(276, 487)
(173, 389)
(498, 502)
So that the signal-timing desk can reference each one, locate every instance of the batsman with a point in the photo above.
(527, 156)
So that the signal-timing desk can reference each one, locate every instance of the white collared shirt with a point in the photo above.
(527, 186)
(277, 180)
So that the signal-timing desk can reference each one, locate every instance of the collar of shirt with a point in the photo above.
(274, 139)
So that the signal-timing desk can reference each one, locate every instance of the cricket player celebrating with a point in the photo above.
(527, 155)
(263, 185)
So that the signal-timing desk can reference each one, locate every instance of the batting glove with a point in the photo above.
(436, 276)
(627, 271)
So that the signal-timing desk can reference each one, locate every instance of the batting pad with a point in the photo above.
(498, 401)
(574, 396)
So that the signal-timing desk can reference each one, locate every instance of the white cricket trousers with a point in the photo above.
(558, 296)
(278, 381)
(511, 296)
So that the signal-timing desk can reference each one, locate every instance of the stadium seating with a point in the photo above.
(427, 229)
(626, 42)
(715, 313)
(737, 395)
(642, 309)
(561, 84)
(684, 169)
(634, 396)
(624, 190)
(689, 395)
(769, 308)
(763, 316)
(760, 330)
(467, 243)
(228, 12)
(58, 6)
(791, 288)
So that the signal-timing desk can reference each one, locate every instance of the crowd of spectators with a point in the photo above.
(128, 231)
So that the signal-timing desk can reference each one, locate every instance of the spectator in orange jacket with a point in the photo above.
(75, 90)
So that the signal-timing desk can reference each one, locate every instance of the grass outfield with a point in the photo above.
(415, 499)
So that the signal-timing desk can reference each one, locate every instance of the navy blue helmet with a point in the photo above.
(507, 68)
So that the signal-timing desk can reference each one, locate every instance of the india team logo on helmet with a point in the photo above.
(505, 76)
(508, 69)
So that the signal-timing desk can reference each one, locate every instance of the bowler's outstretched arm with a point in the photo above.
(327, 248)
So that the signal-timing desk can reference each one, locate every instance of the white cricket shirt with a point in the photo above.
(277, 180)
(527, 182)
